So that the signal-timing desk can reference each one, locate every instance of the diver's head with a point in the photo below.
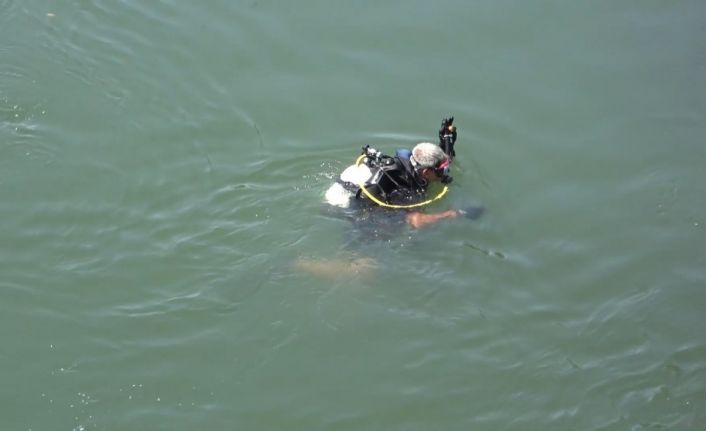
(431, 162)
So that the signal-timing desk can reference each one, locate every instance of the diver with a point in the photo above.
(400, 182)
(380, 193)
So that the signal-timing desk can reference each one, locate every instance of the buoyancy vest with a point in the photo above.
(394, 178)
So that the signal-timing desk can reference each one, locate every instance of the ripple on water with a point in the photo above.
(9, 10)
(25, 134)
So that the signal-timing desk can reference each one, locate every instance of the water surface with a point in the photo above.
(162, 169)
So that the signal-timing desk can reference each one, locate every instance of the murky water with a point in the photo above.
(162, 169)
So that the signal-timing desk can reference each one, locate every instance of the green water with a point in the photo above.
(162, 170)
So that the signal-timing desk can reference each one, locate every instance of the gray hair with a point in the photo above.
(427, 155)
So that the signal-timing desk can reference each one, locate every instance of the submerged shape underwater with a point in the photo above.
(168, 259)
